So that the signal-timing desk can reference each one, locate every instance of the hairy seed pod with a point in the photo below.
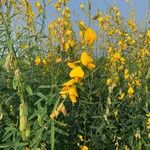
(10, 62)
(23, 110)
(23, 123)
(27, 132)
(24, 138)
(17, 74)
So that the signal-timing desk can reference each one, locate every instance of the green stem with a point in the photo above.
(89, 9)
(52, 135)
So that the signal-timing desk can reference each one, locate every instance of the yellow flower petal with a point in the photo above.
(91, 66)
(71, 65)
(84, 148)
(38, 60)
(130, 91)
(64, 91)
(70, 82)
(90, 36)
(73, 94)
(77, 72)
(86, 59)
(148, 115)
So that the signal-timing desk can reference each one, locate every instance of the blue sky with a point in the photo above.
(141, 8)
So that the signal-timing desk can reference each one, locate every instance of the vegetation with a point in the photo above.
(73, 84)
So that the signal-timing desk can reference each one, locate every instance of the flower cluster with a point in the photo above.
(87, 34)
(39, 7)
(76, 75)
(60, 109)
(49, 58)
(60, 30)
(30, 15)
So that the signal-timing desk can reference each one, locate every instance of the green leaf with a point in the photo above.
(26, 62)
(29, 90)
(21, 144)
(45, 87)
(41, 95)
(4, 146)
(15, 83)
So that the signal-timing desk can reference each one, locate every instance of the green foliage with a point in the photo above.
(105, 122)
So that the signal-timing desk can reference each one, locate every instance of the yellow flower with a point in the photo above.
(39, 7)
(120, 67)
(84, 148)
(71, 43)
(82, 26)
(69, 89)
(148, 127)
(110, 49)
(122, 60)
(54, 114)
(122, 45)
(29, 13)
(24, 46)
(71, 65)
(64, 91)
(148, 115)
(58, 5)
(58, 60)
(70, 82)
(80, 137)
(82, 6)
(108, 82)
(130, 91)
(73, 94)
(77, 72)
(37, 60)
(116, 56)
(148, 121)
(138, 82)
(66, 46)
(148, 33)
(60, 109)
(87, 61)
(102, 21)
(132, 25)
(148, 135)
(68, 32)
(126, 74)
(45, 62)
(110, 32)
(121, 96)
(90, 36)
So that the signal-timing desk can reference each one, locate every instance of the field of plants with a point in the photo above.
(73, 81)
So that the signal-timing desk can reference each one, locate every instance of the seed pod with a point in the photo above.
(24, 138)
(17, 74)
(27, 132)
(23, 123)
(10, 62)
(23, 110)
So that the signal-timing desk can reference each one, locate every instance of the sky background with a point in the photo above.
(141, 8)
